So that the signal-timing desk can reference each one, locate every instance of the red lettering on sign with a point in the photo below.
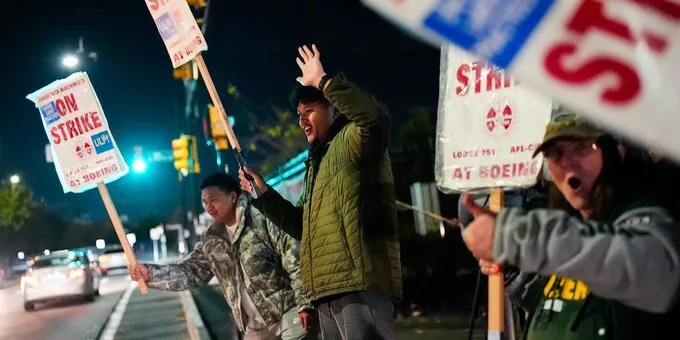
(156, 4)
(512, 170)
(75, 127)
(664, 7)
(627, 88)
(465, 154)
(485, 77)
(193, 45)
(462, 173)
(522, 148)
(66, 105)
(95, 176)
(590, 15)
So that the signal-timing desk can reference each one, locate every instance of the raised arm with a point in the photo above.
(369, 135)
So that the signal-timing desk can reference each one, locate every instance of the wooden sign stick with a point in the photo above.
(452, 222)
(217, 102)
(120, 232)
(496, 308)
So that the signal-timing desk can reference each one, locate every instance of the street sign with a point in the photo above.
(156, 233)
(132, 238)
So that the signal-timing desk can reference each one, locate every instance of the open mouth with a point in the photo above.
(575, 183)
(307, 129)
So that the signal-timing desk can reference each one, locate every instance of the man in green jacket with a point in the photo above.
(346, 218)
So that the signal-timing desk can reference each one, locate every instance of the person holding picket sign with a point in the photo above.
(603, 262)
(347, 215)
(255, 262)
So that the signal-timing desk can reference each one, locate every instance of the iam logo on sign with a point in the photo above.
(84, 150)
(499, 118)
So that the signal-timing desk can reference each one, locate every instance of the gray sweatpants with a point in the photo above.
(357, 316)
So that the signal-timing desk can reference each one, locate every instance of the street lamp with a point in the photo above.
(70, 61)
(139, 166)
(15, 179)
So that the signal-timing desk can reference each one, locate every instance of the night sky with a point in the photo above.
(252, 44)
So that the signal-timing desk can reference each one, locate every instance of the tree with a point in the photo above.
(16, 205)
(273, 135)
(412, 156)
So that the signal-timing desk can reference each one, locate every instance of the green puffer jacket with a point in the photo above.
(346, 219)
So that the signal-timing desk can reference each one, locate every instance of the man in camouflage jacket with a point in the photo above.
(255, 262)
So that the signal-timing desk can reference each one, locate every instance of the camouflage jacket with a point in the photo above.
(261, 256)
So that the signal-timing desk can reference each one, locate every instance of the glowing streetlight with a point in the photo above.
(15, 179)
(139, 166)
(70, 61)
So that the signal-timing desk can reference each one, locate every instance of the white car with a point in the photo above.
(62, 274)
(112, 259)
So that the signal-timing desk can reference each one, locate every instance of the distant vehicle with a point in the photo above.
(18, 268)
(112, 258)
(61, 274)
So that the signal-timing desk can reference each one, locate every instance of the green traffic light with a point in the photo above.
(139, 166)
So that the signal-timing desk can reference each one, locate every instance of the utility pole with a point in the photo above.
(188, 73)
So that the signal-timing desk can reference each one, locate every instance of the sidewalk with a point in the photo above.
(157, 315)
(445, 321)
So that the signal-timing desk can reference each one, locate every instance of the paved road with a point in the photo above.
(67, 320)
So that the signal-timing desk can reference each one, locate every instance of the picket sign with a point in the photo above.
(84, 152)
(185, 42)
(488, 127)
(617, 62)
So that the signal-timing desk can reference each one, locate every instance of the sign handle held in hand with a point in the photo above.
(120, 232)
(496, 298)
(217, 102)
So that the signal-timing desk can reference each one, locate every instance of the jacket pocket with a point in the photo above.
(345, 243)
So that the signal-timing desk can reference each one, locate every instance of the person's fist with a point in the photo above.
(138, 272)
(489, 268)
(478, 236)
(255, 180)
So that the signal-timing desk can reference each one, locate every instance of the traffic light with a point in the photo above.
(185, 152)
(139, 164)
(217, 129)
(180, 151)
(184, 72)
(197, 3)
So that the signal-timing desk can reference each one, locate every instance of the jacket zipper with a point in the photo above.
(345, 244)
(308, 193)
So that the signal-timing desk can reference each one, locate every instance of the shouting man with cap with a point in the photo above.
(603, 261)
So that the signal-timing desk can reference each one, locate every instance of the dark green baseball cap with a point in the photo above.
(568, 125)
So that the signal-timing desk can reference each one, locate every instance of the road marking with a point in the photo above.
(116, 317)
